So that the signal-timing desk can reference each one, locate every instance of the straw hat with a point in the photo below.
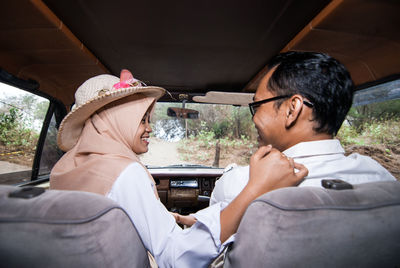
(95, 93)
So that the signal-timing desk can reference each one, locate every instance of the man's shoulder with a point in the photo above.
(232, 171)
(230, 184)
(364, 159)
(235, 175)
(369, 163)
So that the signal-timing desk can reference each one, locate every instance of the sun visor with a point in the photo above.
(233, 98)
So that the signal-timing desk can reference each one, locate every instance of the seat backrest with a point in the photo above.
(316, 227)
(66, 229)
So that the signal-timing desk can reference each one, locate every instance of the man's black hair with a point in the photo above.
(319, 78)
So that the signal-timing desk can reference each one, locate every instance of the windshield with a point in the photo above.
(221, 135)
(225, 134)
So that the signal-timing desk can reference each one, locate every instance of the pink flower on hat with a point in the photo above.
(126, 80)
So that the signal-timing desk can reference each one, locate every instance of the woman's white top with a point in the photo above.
(171, 245)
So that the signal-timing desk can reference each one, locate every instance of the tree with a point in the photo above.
(374, 112)
(20, 118)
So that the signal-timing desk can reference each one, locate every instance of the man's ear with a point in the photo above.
(293, 110)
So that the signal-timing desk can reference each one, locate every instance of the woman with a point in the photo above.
(103, 136)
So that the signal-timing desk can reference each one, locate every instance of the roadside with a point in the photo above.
(161, 153)
(6, 167)
(13, 160)
(387, 155)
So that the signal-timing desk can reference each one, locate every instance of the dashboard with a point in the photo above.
(185, 190)
(181, 190)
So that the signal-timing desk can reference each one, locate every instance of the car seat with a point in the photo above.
(317, 227)
(51, 228)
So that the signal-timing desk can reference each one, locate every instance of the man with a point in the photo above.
(298, 108)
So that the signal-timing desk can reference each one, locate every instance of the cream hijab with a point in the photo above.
(104, 149)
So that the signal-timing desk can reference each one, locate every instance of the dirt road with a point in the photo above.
(6, 167)
(161, 153)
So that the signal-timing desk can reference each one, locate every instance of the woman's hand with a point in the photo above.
(185, 220)
(271, 169)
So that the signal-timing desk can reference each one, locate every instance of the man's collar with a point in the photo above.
(313, 148)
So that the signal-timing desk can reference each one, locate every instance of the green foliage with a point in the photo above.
(220, 129)
(207, 138)
(373, 132)
(242, 122)
(9, 120)
(17, 120)
(41, 110)
(376, 123)
(13, 132)
(359, 117)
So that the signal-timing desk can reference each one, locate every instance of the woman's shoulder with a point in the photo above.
(135, 166)
(133, 176)
(133, 170)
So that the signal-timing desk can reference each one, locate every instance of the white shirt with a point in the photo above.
(171, 245)
(324, 159)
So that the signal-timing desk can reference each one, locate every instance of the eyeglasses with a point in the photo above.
(254, 105)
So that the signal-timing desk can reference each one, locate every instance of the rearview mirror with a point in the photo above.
(182, 113)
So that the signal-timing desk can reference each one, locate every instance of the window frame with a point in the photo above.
(55, 108)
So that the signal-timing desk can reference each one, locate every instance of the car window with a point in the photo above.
(372, 126)
(50, 152)
(21, 119)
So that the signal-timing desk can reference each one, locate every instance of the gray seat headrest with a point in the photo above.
(316, 227)
(66, 229)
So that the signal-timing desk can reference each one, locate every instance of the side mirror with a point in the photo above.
(182, 113)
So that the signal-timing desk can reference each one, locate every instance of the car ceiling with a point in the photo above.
(191, 47)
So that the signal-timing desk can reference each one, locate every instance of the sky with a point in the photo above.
(7, 90)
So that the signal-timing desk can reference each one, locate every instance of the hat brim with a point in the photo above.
(72, 124)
